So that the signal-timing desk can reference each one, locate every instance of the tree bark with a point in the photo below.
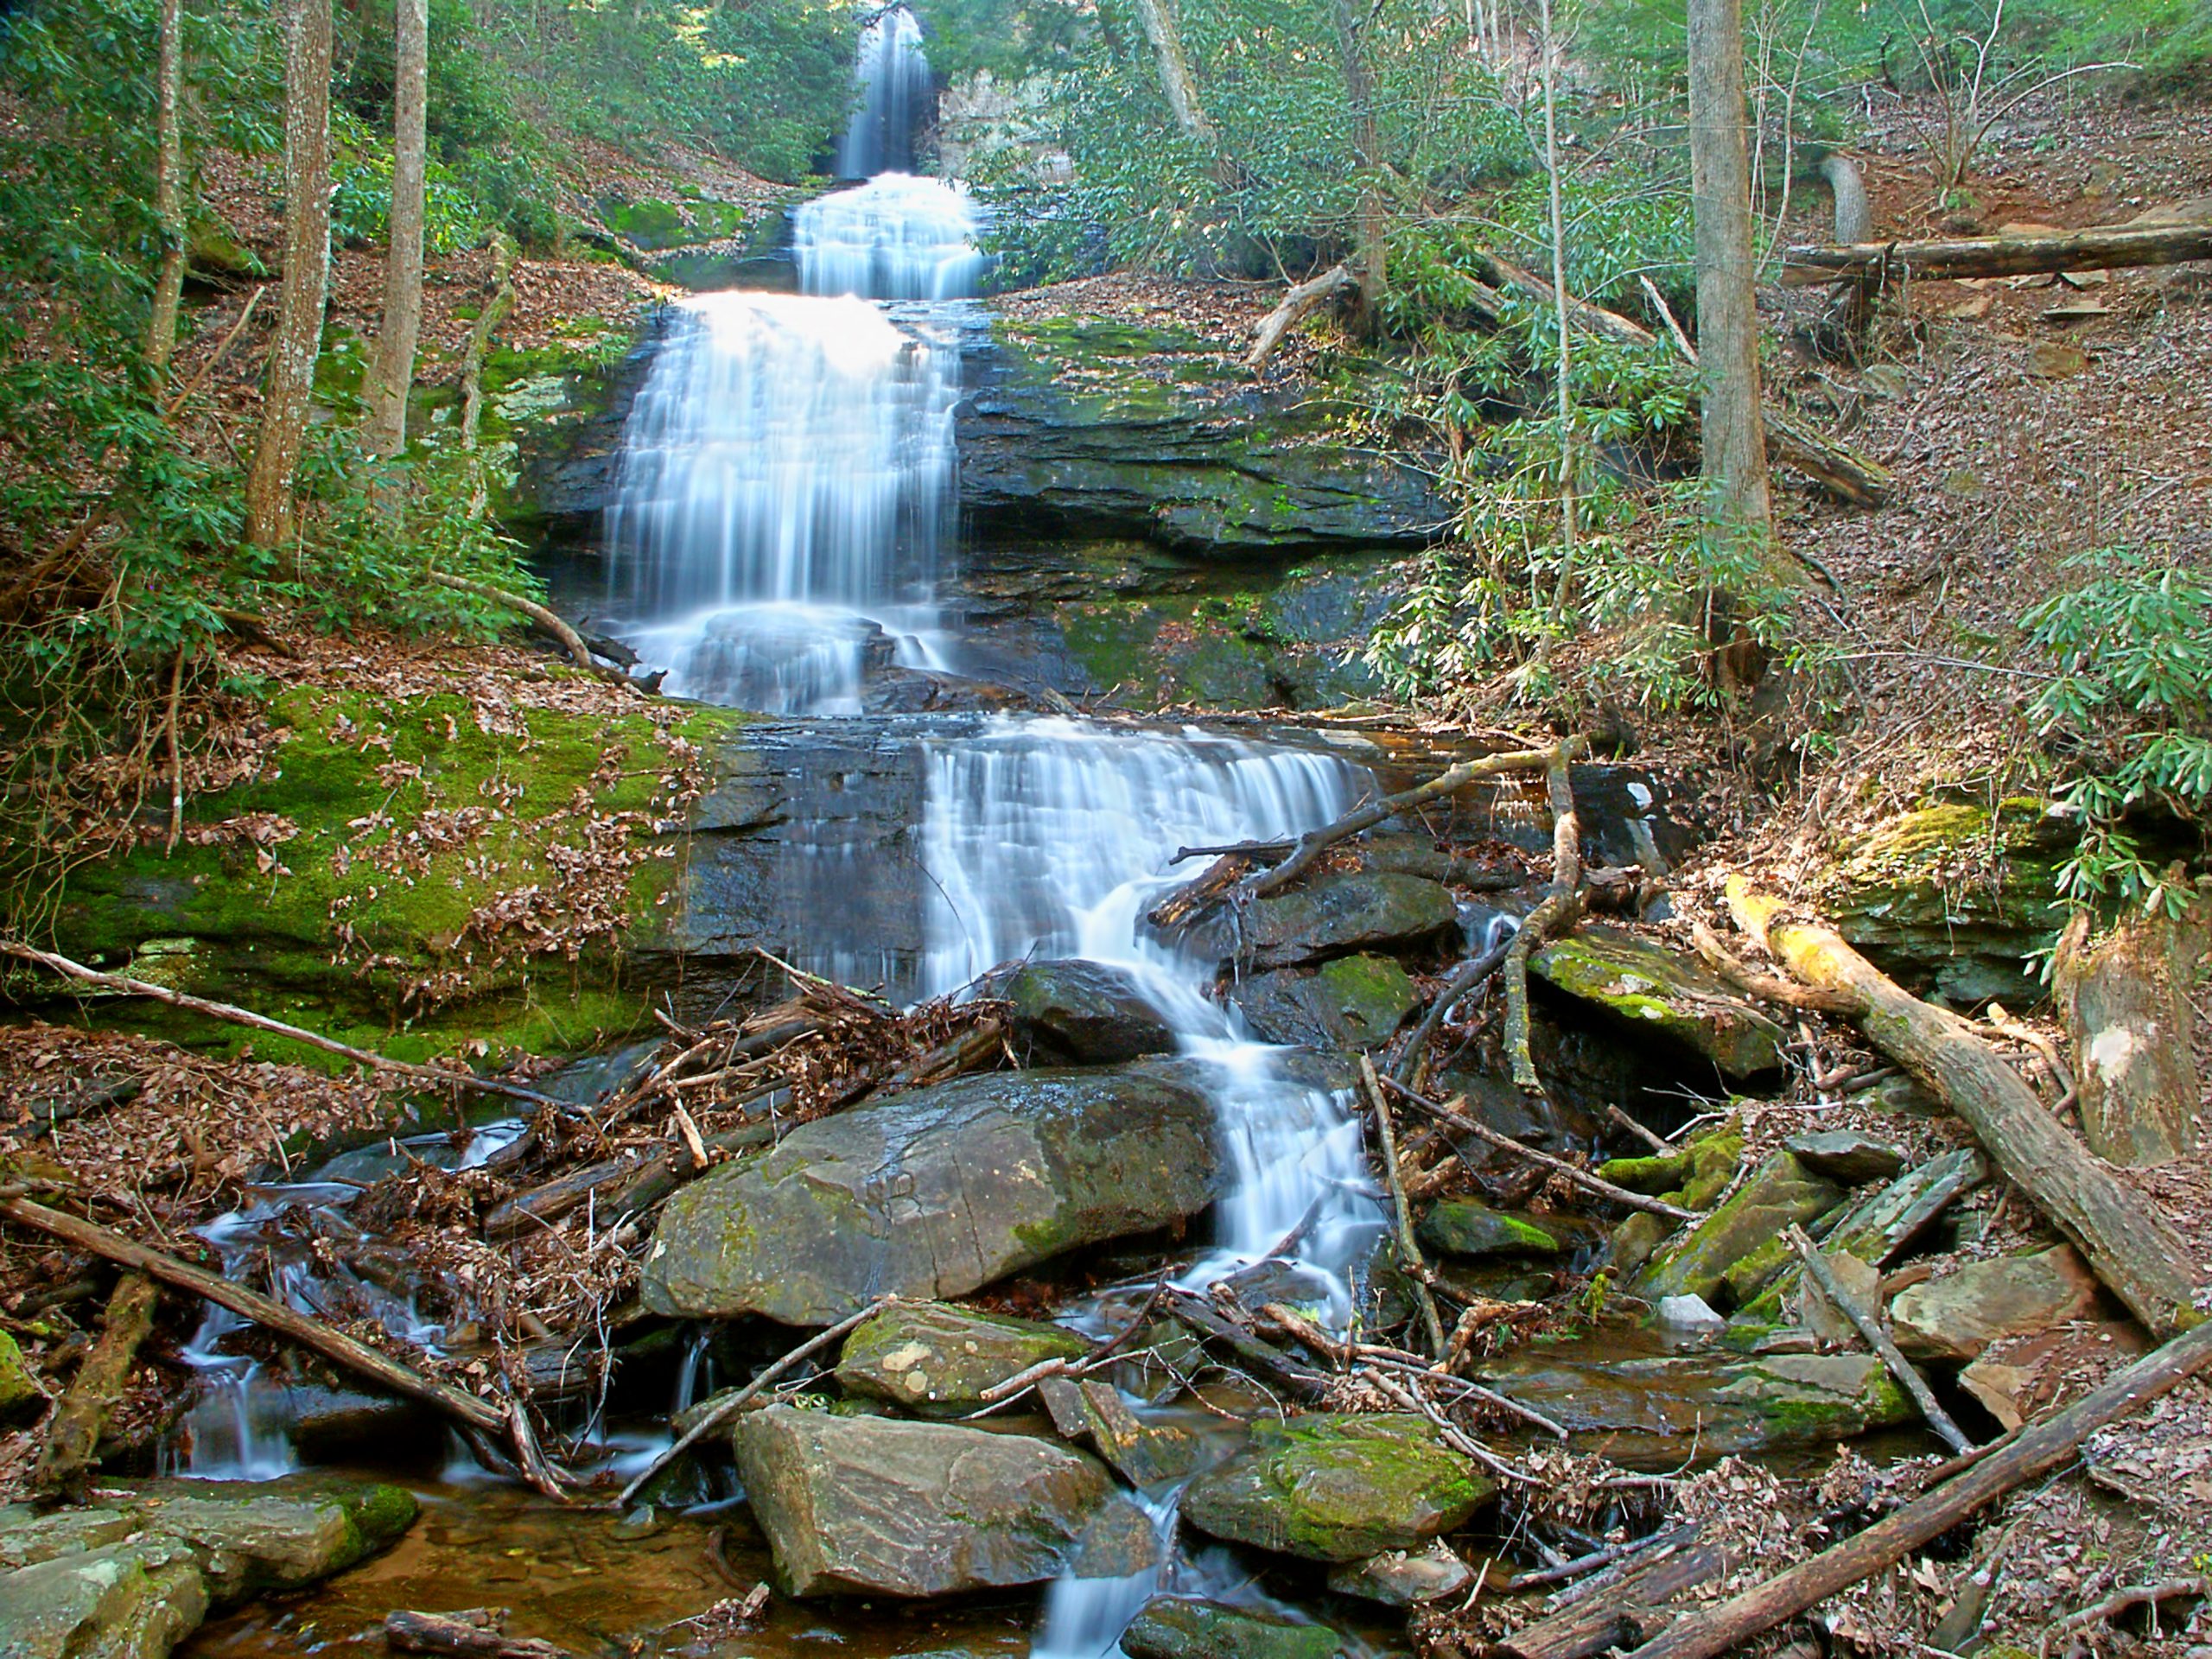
(1368, 264)
(306, 270)
(2130, 1246)
(1734, 442)
(1946, 259)
(1623, 1612)
(168, 185)
(392, 364)
(1300, 302)
(73, 1438)
(2128, 1015)
(1164, 33)
(1729, 1627)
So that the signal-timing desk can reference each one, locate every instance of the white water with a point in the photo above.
(787, 471)
(892, 78)
(895, 238)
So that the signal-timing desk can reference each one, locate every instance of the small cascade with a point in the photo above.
(786, 474)
(891, 80)
(1050, 837)
(895, 238)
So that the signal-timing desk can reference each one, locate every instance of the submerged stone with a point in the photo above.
(937, 1361)
(1658, 990)
(1462, 1227)
(1083, 1012)
(936, 1192)
(873, 1505)
(1177, 1627)
(1337, 1488)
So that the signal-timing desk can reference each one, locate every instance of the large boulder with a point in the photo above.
(936, 1192)
(1082, 1012)
(1463, 1227)
(1338, 1488)
(1178, 1627)
(1352, 1002)
(1338, 915)
(876, 1506)
(1657, 991)
(1955, 1317)
(937, 1361)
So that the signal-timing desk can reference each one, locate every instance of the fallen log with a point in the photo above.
(2128, 1015)
(1196, 1312)
(630, 1181)
(1449, 1115)
(2042, 1446)
(124, 986)
(474, 1414)
(72, 1435)
(1468, 974)
(1943, 259)
(1868, 1324)
(473, 1634)
(1630, 1610)
(1402, 1242)
(1299, 303)
(2129, 1246)
(546, 619)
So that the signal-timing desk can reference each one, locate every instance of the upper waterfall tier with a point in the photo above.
(895, 238)
(786, 472)
(893, 81)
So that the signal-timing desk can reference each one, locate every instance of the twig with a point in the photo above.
(176, 762)
(2134, 1595)
(1401, 1230)
(1605, 1557)
(813, 1345)
(1869, 1326)
(1450, 1115)
(1561, 904)
(1468, 974)
(238, 1016)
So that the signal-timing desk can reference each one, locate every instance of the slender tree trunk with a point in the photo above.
(391, 366)
(307, 270)
(1180, 88)
(168, 185)
(1727, 316)
(1370, 223)
(1563, 597)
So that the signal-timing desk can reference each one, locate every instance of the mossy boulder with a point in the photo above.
(1462, 1227)
(1655, 991)
(1956, 896)
(1336, 915)
(1178, 1627)
(938, 1192)
(1726, 1257)
(1086, 1013)
(1338, 1488)
(937, 1361)
(1356, 1001)
(402, 872)
(1700, 1174)
(875, 1506)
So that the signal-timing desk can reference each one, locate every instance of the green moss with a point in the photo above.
(1651, 1176)
(16, 1385)
(651, 225)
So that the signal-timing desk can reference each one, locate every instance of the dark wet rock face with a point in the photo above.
(871, 1505)
(936, 1192)
(135, 1574)
(1335, 915)
(1338, 1488)
(1352, 1002)
(1082, 1013)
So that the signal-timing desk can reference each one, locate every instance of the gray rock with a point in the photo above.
(1143, 1453)
(1337, 915)
(937, 1361)
(872, 1505)
(936, 1192)
(1175, 1627)
(1846, 1155)
(134, 1600)
(1083, 1012)
(1659, 991)
(1399, 1578)
(1462, 1227)
(1688, 1313)
(1352, 1002)
(1338, 1488)
(1955, 1317)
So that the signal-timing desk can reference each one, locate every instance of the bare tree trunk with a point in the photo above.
(1180, 88)
(1727, 315)
(1564, 595)
(1368, 262)
(306, 270)
(168, 186)
(391, 366)
(2127, 1011)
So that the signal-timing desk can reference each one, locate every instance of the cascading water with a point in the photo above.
(786, 474)
(892, 78)
(895, 238)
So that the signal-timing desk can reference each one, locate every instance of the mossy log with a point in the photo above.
(73, 1438)
(1948, 260)
(2132, 1249)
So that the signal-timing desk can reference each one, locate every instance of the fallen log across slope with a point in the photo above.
(2038, 1448)
(2129, 1247)
(2107, 248)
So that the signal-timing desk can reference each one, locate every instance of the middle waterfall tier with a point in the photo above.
(895, 238)
(787, 475)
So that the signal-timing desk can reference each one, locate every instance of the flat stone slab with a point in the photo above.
(877, 1506)
(936, 1192)
(1957, 1316)
(1847, 1156)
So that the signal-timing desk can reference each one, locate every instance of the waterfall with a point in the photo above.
(785, 475)
(895, 238)
(892, 78)
(1052, 837)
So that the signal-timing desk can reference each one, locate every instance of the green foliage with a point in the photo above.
(360, 200)
(2131, 708)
